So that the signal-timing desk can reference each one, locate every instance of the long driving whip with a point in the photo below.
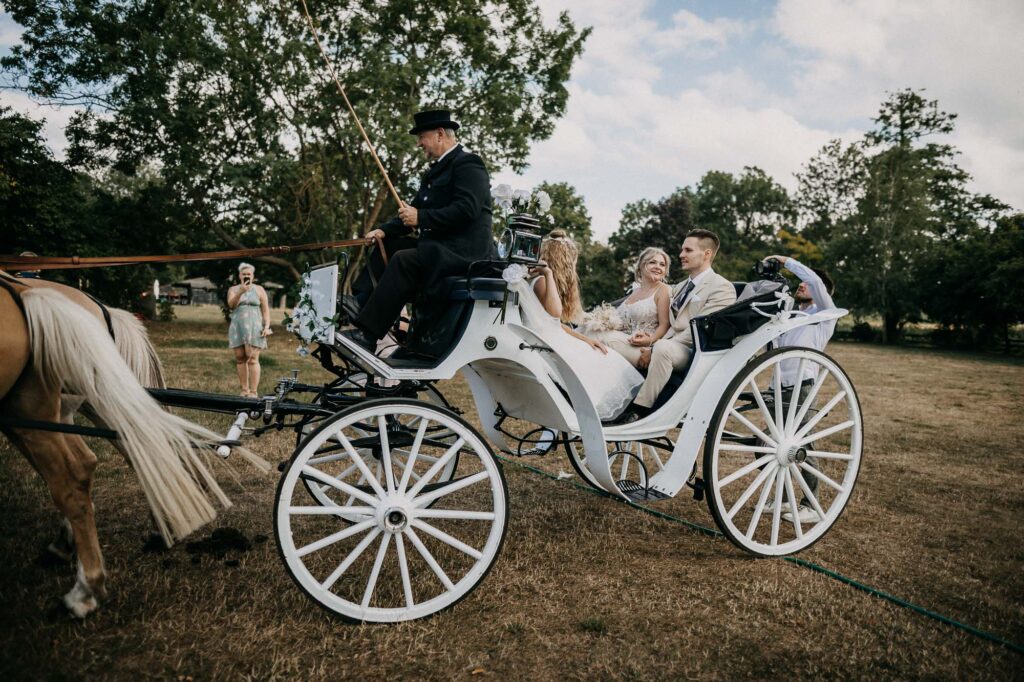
(366, 138)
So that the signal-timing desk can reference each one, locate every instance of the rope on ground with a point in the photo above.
(874, 592)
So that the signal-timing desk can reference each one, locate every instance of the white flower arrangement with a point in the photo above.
(514, 273)
(512, 201)
(303, 321)
(603, 318)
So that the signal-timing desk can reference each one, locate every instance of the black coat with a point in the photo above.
(454, 202)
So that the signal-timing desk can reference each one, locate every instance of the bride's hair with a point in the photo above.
(559, 251)
(646, 256)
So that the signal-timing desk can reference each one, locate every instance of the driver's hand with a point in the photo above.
(376, 233)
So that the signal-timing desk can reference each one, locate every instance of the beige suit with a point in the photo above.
(673, 352)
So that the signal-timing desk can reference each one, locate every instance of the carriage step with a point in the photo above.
(639, 493)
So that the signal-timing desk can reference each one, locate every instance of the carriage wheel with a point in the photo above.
(346, 470)
(408, 545)
(632, 462)
(779, 470)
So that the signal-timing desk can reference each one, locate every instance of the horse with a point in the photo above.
(56, 355)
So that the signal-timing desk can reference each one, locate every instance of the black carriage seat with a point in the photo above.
(720, 330)
(436, 329)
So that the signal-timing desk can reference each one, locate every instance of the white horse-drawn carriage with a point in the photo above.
(394, 507)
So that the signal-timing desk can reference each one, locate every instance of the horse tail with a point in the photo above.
(135, 348)
(72, 350)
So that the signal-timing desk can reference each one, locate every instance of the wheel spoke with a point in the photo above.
(375, 572)
(654, 454)
(806, 489)
(403, 567)
(424, 500)
(812, 395)
(340, 485)
(826, 433)
(455, 514)
(330, 509)
(336, 537)
(777, 392)
(756, 431)
(821, 454)
(429, 558)
(765, 473)
(777, 509)
(745, 448)
(740, 473)
(385, 454)
(446, 539)
(759, 509)
(765, 412)
(333, 457)
(821, 477)
(821, 414)
(794, 509)
(438, 465)
(413, 454)
(350, 559)
(794, 397)
(358, 461)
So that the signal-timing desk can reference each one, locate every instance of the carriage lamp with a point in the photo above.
(520, 243)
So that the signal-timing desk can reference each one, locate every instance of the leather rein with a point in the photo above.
(77, 262)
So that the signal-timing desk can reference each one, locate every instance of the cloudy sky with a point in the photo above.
(669, 89)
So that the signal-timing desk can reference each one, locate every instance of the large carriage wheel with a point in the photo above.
(780, 464)
(346, 470)
(632, 463)
(409, 545)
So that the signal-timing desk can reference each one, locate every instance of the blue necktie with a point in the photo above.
(680, 299)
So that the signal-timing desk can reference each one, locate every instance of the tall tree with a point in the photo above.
(232, 101)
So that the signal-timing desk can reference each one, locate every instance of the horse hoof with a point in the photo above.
(78, 606)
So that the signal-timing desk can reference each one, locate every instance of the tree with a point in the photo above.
(50, 209)
(231, 101)
(644, 223)
(913, 195)
(568, 211)
(830, 188)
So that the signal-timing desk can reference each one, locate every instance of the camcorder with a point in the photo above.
(520, 243)
(770, 270)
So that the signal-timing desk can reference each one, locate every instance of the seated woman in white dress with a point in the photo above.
(610, 381)
(645, 312)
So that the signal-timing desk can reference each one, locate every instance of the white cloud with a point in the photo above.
(689, 33)
(56, 118)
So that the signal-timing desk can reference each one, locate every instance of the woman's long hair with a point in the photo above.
(559, 251)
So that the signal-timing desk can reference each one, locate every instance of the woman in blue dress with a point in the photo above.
(250, 326)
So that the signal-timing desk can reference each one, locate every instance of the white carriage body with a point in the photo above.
(511, 365)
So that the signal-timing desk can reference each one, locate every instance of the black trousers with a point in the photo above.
(411, 274)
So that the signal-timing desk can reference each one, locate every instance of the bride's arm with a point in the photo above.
(547, 290)
(662, 299)
(593, 343)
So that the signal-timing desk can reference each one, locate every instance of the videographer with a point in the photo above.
(813, 295)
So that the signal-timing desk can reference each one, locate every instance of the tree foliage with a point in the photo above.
(233, 104)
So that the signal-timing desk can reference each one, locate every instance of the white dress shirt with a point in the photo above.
(814, 336)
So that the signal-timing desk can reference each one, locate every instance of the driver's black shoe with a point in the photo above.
(361, 339)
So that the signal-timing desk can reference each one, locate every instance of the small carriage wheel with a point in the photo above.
(325, 494)
(644, 457)
(419, 544)
(780, 465)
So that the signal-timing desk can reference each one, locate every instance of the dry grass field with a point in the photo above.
(585, 587)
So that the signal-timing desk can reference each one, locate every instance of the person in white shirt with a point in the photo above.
(813, 295)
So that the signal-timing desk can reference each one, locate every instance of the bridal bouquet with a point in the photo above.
(603, 318)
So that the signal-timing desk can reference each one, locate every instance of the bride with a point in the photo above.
(551, 301)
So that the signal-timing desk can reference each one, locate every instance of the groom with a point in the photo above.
(703, 292)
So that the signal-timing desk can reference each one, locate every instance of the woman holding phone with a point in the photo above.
(250, 325)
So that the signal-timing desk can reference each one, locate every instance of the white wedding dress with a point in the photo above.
(609, 380)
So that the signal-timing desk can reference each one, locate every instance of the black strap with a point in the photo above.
(106, 313)
(35, 425)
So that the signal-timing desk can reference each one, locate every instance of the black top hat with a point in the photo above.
(431, 120)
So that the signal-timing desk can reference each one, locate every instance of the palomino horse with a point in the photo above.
(51, 346)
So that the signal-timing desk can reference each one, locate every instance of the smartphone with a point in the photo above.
(247, 280)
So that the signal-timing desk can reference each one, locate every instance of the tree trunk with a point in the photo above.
(890, 328)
